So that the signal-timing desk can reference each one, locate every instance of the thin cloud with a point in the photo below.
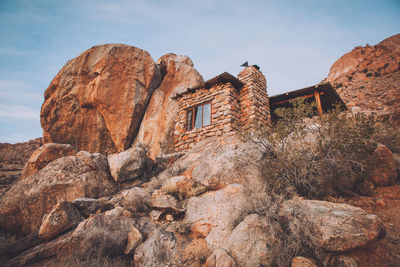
(18, 112)
(17, 92)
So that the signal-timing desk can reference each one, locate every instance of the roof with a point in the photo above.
(222, 78)
(329, 96)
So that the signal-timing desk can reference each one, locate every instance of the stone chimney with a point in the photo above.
(253, 100)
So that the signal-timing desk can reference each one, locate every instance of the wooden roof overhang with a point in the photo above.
(222, 78)
(327, 94)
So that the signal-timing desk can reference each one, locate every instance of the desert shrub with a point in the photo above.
(315, 157)
(298, 238)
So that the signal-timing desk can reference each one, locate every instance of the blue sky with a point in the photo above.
(294, 42)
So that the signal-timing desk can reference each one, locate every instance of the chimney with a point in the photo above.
(253, 100)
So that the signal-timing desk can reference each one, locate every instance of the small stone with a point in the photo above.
(155, 215)
(169, 218)
(380, 203)
(134, 239)
(344, 261)
(303, 262)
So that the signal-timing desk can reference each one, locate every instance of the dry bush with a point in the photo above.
(93, 259)
(329, 155)
(298, 238)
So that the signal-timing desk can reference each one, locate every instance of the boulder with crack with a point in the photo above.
(339, 227)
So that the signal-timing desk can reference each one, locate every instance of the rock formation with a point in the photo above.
(65, 179)
(157, 127)
(44, 155)
(12, 160)
(97, 100)
(369, 77)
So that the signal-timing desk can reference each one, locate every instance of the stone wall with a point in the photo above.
(254, 101)
(224, 114)
(232, 109)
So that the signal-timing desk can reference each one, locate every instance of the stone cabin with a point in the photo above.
(224, 104)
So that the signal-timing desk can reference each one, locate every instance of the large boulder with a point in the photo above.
(254, 242)
(385, 170)
(62, 217)
(64, 179)
(102, 235)
(212, 215)
(44, 155)
(97, 100)
(339, 227)
(157, 127)
(211, 163)
(105, 233)
(128, 165)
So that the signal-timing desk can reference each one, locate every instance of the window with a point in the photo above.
(198, 116)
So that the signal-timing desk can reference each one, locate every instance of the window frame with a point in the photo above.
(193, 108)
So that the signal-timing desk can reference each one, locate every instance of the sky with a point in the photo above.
(294, 42)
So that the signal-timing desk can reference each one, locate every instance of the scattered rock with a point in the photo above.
(157, 126)
(64, 179)
(212, 215)
(165, 203)
(155, 215)
(133, 199)
(63, 216)
(119, 211)
(342, 261)
(183, 187)
(254, 242)
(87, 206)
(97, 100)
(159, 249)
(385, 170)
(134, 239)
(128, 165)
(339, 227)
(169, 218)
(220, 258)
(44, 155)
(303, 262)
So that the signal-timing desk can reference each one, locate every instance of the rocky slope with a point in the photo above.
(184, 216)
(12, 160)
(369, 78)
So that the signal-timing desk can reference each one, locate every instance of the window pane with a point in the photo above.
(207, 114)
(189, 120)
(197, 117)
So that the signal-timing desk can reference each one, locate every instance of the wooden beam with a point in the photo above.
(287, 100)
(318, 102)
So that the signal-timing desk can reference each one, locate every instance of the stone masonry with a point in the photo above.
(254, 101)
(235, 104)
